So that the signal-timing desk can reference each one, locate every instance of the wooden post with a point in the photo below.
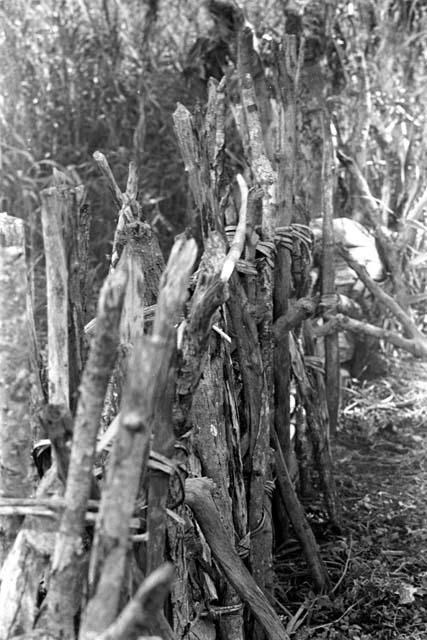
(149, 371)
(15, 375)
(54, 204)
(329, 296)
(261, 544)
(66, 581)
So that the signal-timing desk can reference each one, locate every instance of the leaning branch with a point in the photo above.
(416, 346)
(387, 301)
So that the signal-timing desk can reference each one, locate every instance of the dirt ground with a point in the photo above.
(378, 564)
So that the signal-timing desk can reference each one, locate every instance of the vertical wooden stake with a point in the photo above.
(53, 206)
(329, 297)
(15, 375)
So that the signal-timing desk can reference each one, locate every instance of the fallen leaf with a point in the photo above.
(406, 593)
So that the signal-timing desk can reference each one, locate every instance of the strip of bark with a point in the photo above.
(149, 371)
(66, 579)
(198, 492)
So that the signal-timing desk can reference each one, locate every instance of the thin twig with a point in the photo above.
(347, 563)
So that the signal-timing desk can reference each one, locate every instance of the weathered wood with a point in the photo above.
(105, 169)
(286, 88)
(234, 434)
(261, 547)
(76, 239)
(210, 443)
(249, 63)
(198, 496)
(159, 478)
(66, 579)
(208, 296)
(133, 318)
(312, 389)
(329, 297)
(149, 370)
(55, 204)
(195, 156)
(15, 377)
(301, 310)
(163, 444)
